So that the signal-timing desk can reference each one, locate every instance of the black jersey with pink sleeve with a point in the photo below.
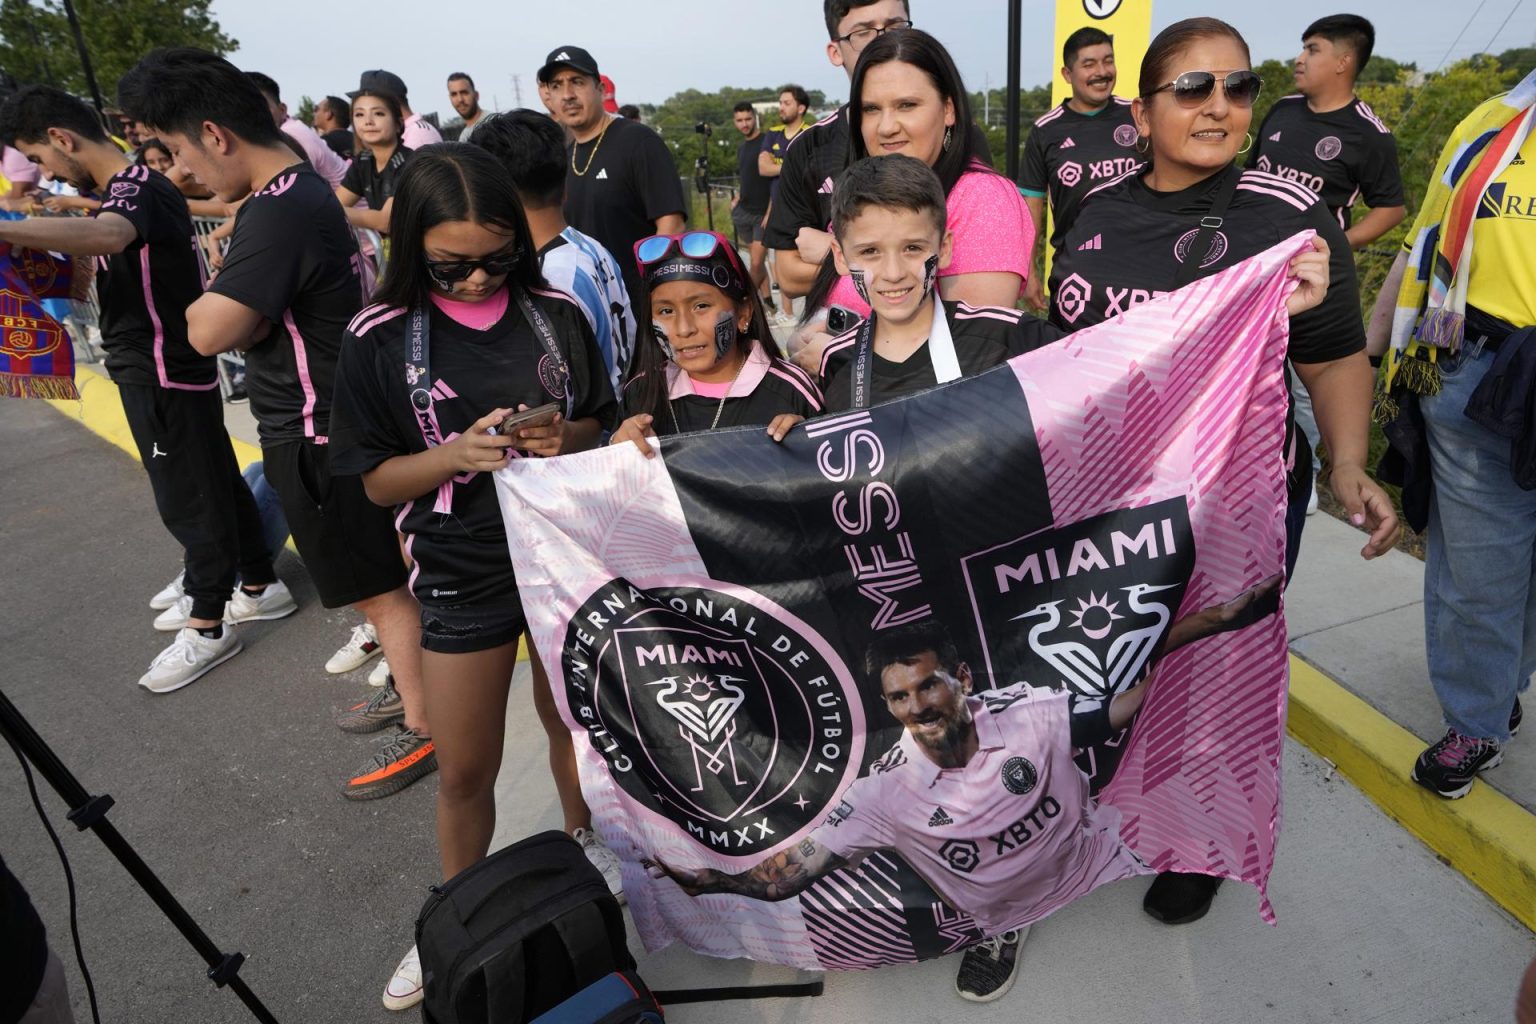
(455, 534)
(1068, 154)
(767, 387)
(1128, 242)
(1343, 155)
(293, 259)
(144, 291)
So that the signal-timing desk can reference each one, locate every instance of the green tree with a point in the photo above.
(36, 44)
(306, 111)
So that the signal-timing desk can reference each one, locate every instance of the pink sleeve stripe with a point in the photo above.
(364, 313)
(1006, 315)
(384, 315)
(1049, 116)
(833, 347)
(1107, 184)
(1283, 196)
(1301, 192)
(555, 293)
(810, 393)
(1364, 110)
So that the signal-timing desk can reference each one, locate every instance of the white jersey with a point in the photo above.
(578, 265)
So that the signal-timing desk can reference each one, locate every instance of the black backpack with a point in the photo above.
(518, 933)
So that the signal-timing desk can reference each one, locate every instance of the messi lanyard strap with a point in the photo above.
(941, 351)
(418, 369)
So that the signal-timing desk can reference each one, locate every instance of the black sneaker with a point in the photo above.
(371, 715)
(1450, 767)
(404, 758)
(1178, 897)
(1516, 716)
(987, 970)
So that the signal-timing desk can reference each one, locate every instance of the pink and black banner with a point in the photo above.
(705, 616)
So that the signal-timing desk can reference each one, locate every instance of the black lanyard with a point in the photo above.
(863, 357)
(1195, 254)
(418, 367)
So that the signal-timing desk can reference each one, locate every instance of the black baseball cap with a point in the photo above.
(573, 57)
(379, 80)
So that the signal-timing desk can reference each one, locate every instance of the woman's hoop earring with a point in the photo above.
(949, 137)
(1143, 144)
(1247, 143)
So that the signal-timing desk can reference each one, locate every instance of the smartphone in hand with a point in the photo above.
(542, 416)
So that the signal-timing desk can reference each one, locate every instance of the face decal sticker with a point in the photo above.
(660, 334)
(930, 274)
(859, 285)
(725, 334)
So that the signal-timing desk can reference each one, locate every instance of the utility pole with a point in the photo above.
(517, 91)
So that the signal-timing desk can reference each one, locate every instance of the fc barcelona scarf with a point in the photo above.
(712, 623)
(37, 359)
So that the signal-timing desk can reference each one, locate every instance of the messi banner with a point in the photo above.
(723, 628)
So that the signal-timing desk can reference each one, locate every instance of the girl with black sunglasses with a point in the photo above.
(464, 336)
(1191, 213)
(705, 358)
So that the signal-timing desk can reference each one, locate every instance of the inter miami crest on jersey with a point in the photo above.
(714, 709)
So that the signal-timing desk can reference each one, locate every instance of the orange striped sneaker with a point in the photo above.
(404, 758)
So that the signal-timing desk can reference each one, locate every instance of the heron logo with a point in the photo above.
(1082, 606)
(715, 709)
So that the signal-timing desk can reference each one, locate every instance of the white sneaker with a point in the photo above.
(602, 858)
(380, 674)
(190, 657)
(405, 989)
(783, 319)
(175, 617)
(274, 602)
(363, 646)
(168, 595)
(1312, 500)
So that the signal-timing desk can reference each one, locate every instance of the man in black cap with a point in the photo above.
(418, 130)
(622, 184)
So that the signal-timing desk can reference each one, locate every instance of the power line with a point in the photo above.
(1452, 48)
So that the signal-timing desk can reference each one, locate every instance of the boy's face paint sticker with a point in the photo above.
(726, 334)
(660, 334)
(859, 286)
(930, 274)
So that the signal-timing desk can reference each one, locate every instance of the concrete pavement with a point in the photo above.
(228, 788)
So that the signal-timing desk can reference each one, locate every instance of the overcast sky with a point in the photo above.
(655, 49)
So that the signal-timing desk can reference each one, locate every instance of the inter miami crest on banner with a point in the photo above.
(714, 709)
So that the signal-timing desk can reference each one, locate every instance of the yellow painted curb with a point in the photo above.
(1486, 836)
(100, 411)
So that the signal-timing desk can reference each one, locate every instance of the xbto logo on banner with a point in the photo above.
(714, 709)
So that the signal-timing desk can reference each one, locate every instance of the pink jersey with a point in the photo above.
(993, 231)
(321, 157)
(1009, 838)
(419, 132)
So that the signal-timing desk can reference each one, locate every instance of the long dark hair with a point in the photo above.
(444, 182)
(645, 388)
(922, 51)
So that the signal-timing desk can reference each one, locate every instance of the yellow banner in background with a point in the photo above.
(1129, 21)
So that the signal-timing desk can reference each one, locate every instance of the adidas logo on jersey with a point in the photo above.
(1096, 242)
(826, 187)
(602, 175)
(1068, 143)
(1275, 137)
(1518, 161)
(940, 817)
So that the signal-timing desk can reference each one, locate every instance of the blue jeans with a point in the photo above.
(1480, 567)
(274, 525)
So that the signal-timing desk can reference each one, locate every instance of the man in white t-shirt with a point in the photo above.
(418, 130)
(980, 795)
(532, 149)
(321, 157)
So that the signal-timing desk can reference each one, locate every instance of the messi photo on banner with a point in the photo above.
(931, 670)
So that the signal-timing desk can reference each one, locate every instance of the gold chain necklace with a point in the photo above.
(592, 155)
(718, 409)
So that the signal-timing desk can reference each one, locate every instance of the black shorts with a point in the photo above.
(464, 629)
(748, 224)
(348, 543)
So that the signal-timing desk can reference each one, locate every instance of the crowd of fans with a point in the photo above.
(415, 313)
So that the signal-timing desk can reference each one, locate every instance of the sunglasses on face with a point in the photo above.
(447, 273)
(1193, 88)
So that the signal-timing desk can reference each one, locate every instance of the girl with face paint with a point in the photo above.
(705, 358)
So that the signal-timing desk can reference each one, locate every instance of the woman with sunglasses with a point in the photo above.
(705, 358)
(907, 97)
(463, 336)
(1133, 240)
(378, 122)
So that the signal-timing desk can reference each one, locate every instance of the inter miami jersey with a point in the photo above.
(1010, 837)
(767, 387)
(377, 185)
(293, 259)
(455, 534)
(1343, 155)
(144, 291)
(1128, 242)
(984, 336)
(1068, 154)
(812, 160)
